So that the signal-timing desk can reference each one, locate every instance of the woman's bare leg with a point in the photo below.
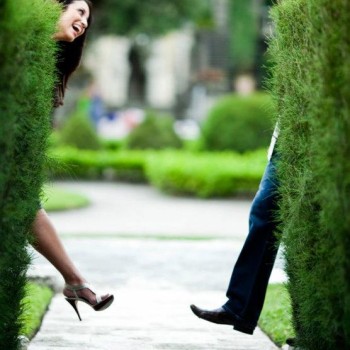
(47, 243)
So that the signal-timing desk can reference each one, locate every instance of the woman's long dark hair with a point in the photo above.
(68, 58)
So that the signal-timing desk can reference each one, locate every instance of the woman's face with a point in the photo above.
(73, 21)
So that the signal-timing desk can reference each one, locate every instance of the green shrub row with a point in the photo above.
(235, 123)
(178, 172)
(206, 174)
(312, 87)
(156, 131)
(87, 164)
(27, 64)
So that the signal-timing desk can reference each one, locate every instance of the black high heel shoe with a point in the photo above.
(73, 300)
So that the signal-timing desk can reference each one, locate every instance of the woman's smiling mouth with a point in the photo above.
(78, 29)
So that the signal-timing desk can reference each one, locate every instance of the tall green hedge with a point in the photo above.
(312, 86)
(26, 85)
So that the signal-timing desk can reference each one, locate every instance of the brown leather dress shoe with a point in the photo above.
(220, 316)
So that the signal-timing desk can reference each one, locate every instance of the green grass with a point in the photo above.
(37, 300)
(57, 199)
(276, 317)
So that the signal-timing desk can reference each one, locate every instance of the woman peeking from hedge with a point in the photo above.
(71, 33)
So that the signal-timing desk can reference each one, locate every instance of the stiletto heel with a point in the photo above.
(74, 302)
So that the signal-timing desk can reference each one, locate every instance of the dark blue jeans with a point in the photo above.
(251, 273)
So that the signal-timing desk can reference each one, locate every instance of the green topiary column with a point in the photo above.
(27, 64)
(311, 83)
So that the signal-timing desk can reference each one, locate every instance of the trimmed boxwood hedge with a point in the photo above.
(27, 66)
(312, 87)
(239, 123)
(178, 172)
(156, 131)
(206, 174)
(79, 132)
(82, 164)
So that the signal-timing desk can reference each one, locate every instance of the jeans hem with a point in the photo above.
(240, 324)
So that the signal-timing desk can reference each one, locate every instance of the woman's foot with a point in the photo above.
(84, 292)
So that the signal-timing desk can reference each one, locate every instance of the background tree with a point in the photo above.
(244, 30)
(152, 17)
(250, 26)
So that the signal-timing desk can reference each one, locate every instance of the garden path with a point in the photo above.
(116, 243)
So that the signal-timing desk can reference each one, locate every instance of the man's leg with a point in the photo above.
(250, 276)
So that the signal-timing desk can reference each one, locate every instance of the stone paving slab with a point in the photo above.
(142, 319)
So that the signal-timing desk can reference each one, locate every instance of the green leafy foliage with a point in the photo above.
(311, 85)
(152, 17)
(123, 166)
(113, 145)
(78, 132)
(178, 172)
(155, 132)
(239, 123)
(206, 174)
(27, 64)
